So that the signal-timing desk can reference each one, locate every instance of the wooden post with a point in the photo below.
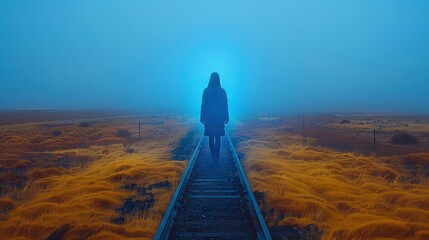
(139, 129)
(374, 140)
(304, 138)
(303, 127)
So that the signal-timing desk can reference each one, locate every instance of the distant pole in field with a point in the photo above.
(303, 126)
(374, 140)
(139, 129)
(303, 131)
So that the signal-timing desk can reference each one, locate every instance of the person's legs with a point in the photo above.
(211, 144)
(217, 146)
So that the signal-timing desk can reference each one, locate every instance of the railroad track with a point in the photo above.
(213, 200)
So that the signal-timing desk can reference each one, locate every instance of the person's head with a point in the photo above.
(214, 80)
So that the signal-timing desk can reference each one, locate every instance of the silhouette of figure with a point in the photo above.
(214, 114)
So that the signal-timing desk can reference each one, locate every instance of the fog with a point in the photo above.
(272, 56)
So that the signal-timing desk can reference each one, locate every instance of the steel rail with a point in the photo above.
(262, 230)
(164, 227)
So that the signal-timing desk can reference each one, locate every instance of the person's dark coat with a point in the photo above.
(214, 108)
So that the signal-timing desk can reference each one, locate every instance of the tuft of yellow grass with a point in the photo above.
(347, 195)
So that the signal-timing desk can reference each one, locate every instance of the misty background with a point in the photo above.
(272, 56)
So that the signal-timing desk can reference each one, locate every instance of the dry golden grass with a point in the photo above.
(87, 199)
(415, 124)
(77, 178)
(347, 195)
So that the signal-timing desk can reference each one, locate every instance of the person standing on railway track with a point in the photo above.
(214, 114)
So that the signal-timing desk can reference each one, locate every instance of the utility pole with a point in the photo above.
(139, 129)
(374, 140)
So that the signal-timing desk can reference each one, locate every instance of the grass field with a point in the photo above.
(344, 194)
(88, 178)
(91, 177)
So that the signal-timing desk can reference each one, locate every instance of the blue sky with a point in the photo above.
(272, 56)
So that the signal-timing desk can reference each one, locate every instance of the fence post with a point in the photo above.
(303, 126)
(304, 138)
(374, 140)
